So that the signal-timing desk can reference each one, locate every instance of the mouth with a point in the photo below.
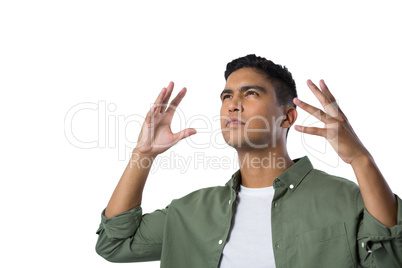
(234, 122)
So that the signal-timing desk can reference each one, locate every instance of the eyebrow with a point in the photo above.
(245, 88)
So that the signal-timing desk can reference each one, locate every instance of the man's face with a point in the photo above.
(250, 97)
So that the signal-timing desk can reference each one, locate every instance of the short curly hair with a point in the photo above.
(280, 77)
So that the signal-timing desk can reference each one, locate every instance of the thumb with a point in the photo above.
(184, 133)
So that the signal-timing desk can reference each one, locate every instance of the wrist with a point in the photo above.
(362, 160)
(137, 155)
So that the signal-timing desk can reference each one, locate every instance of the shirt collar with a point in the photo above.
(291, 177)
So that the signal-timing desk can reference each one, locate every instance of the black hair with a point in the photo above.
(279, 76)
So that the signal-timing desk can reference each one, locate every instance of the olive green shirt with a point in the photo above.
(318, 220)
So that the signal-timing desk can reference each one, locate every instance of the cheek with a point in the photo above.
(222, 117)
(263, 117)
(258, 122)
(259, 117)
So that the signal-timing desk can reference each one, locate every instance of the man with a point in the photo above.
(286, 214)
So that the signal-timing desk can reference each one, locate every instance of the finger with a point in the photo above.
(155, 106)
(176, 101)
(337, 112)
(322, 132)
(184, 134)
(326, 91)
(317, 113)
(330, 107)
(166, 98)
(317, 92)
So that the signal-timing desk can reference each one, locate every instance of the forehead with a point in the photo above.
(247, 76)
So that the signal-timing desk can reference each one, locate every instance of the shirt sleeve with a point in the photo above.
(378, 245)
(131, 236)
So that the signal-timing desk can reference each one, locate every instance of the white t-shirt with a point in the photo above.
(250, 241)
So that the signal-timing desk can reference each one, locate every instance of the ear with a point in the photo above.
(290, 117)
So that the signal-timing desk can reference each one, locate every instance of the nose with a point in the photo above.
(235, 105)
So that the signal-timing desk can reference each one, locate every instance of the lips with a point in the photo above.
(234, 120)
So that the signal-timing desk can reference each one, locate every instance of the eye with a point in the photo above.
(224, 96)
(252, 92)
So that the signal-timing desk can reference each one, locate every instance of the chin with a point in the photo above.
(243, 144)
(240, 142)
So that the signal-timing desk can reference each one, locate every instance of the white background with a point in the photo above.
(55, 55)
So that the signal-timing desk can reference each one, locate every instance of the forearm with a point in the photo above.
(378, 198)
(128, 192)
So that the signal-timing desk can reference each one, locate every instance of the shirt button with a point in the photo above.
(276, 204)
(230, 201)
(277, 245)
(291, 186)
(362, 244)
(220, 242)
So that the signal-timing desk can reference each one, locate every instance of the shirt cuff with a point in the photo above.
(122, 225)
(374, 231)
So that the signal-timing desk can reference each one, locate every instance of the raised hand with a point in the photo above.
(337, 130)
(156, 135)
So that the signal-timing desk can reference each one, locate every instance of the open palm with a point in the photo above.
(337, 130)
(156, 135)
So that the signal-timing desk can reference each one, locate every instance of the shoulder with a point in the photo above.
(205, 193)
(205, 196)
(323, 179)
(342, 189)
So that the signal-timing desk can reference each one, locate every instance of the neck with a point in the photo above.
(260, 167)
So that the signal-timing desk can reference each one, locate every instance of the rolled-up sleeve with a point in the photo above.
(378, 245)
(131, 236)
